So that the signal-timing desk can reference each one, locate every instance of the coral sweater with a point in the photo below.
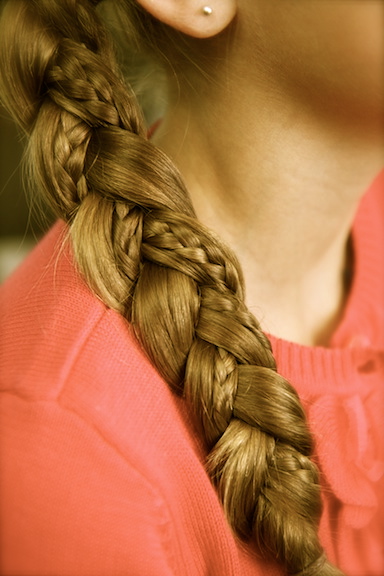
(102, 472)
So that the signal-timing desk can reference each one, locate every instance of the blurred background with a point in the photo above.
(20, 225)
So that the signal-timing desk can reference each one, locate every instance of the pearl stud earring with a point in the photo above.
(207, 10)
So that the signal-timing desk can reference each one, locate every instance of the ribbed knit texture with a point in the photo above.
(102, 469)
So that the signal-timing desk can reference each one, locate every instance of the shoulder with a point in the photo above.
(62, 350)
(60, 343)
(99, 453)
(46, 310)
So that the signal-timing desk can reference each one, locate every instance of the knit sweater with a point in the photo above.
(102, 467)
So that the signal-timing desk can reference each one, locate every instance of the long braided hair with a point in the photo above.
(141, 249)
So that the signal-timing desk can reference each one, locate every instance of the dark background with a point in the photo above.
(20, 225)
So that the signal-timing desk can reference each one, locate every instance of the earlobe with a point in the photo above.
(197, 18)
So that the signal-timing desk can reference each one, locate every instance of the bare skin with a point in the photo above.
(278, 150)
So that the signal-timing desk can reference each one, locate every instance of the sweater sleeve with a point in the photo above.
(71, 504)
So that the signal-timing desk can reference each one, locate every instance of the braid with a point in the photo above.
(141, 249)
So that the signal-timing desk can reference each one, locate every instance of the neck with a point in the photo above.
(281, 186)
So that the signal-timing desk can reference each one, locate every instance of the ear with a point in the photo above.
(197, 18)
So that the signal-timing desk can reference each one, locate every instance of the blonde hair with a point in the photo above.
(141, 249)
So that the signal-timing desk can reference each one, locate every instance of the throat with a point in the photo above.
(308, 312)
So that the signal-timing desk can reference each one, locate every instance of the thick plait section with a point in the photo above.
(280, 505)
(260, 462)
(140, 247)
(251, 417)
